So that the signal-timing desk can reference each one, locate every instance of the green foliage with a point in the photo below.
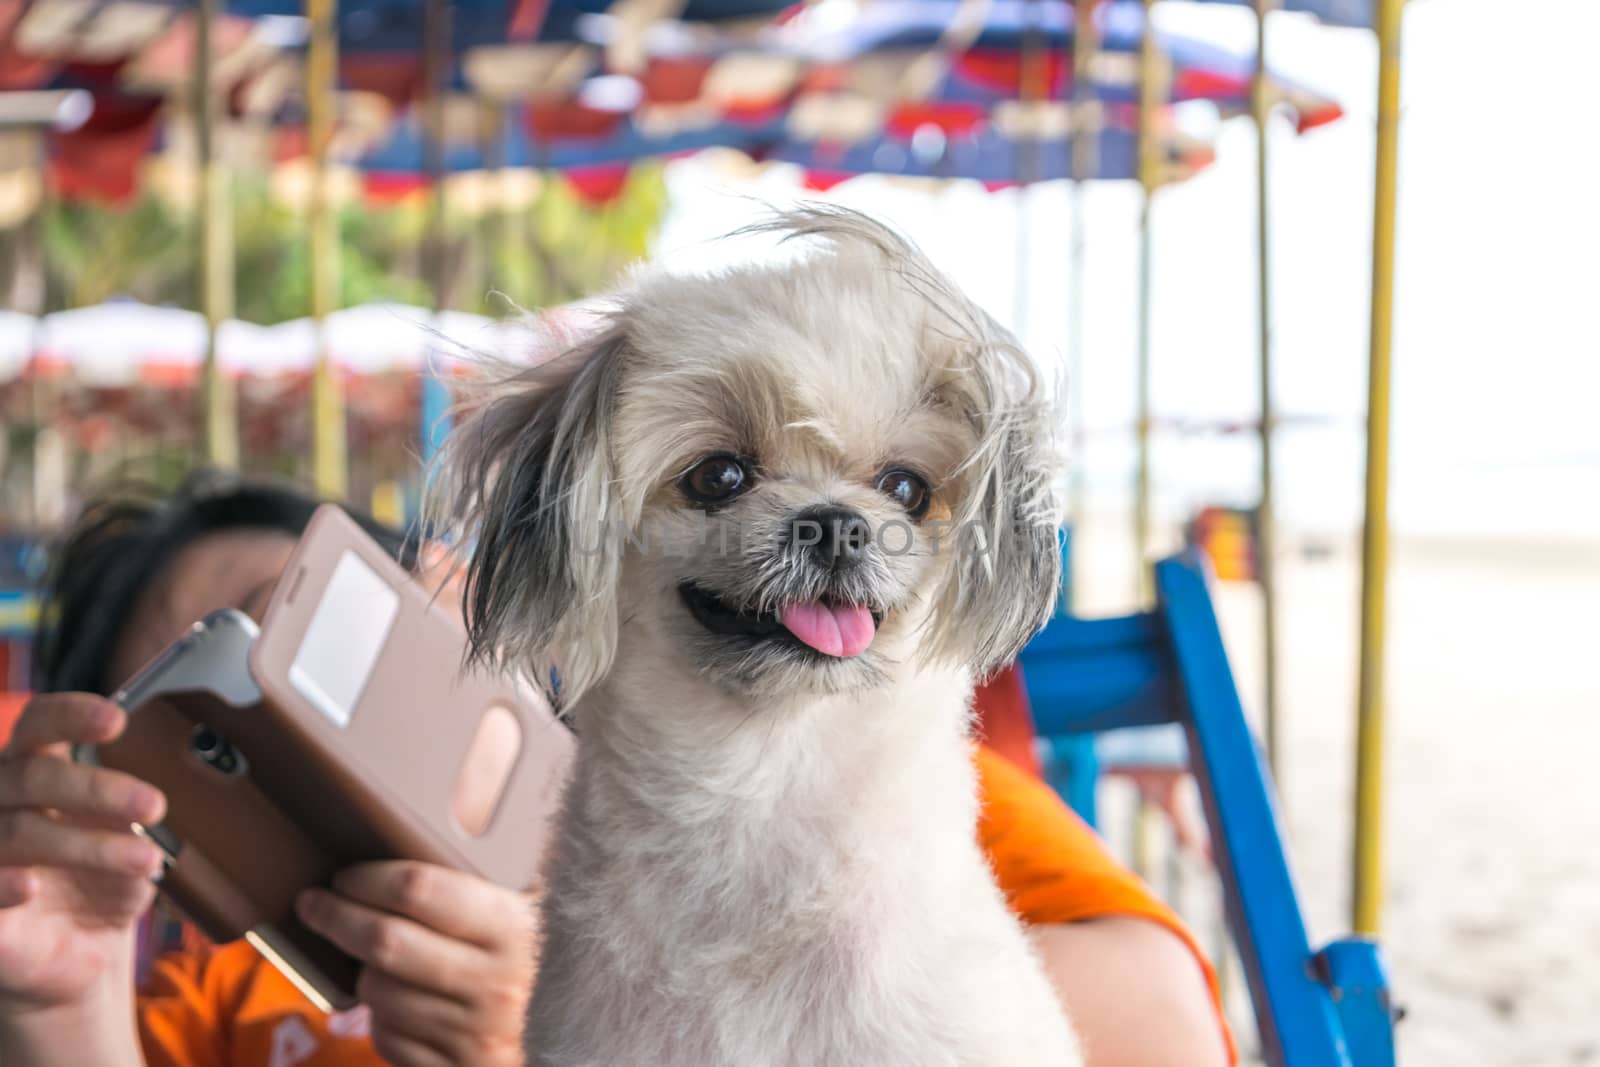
(557, 250)
(560, 249)
(93, 252)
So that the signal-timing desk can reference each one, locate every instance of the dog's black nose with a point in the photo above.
(837, 537)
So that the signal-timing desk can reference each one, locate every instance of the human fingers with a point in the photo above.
(458, 905)
(405, 1008)
(403, 1050)
(64, 718)
(37, 780)
(401, 947)
(466, 1037)
(32, 839)
(17, 886)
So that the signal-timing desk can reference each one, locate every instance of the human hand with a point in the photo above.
(73, 874)
(449, 960)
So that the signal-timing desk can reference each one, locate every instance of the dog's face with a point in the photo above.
(800, 476)
(803, 478)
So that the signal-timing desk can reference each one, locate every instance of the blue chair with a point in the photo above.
(1314, 1009)
(18, 610)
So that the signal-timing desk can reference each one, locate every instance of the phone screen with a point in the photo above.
(341, 645)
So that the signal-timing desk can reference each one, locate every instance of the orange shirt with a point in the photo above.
(227, 1007)
(11, 705)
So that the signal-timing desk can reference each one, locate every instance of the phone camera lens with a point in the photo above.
(205, 741)
(216, 752)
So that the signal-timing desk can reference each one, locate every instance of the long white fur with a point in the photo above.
(775, 867)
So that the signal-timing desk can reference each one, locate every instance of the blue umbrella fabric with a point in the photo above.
(949, 59)
(990, 156)
(1356, 14)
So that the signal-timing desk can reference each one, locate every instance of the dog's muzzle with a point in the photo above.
(835, 538)
(829, 627)
(827, 609)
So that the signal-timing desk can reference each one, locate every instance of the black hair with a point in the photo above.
(122, 540)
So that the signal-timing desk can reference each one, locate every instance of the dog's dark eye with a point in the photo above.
(908, 490)
(717, 479)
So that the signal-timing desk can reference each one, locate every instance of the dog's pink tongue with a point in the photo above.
(832, 629)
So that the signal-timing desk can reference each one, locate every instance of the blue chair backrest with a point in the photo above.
(1328, 1009)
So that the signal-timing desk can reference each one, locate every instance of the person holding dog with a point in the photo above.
(450, 962)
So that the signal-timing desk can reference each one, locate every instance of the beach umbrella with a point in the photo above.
(129, 361)
(804, 90)
(595, 147)
(931, 50)
(132, 57)
(124, 343)
(119, 344)
(988, 152)
(386, 338)
(938, 56)
(1357, 14)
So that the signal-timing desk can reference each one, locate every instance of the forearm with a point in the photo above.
(1134, 993)
(100, 1029)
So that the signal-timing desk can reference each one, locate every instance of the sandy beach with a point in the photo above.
(1492, 920)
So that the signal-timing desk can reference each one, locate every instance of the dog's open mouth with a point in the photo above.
(825, 626)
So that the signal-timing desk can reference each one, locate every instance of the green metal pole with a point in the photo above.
(1367, 875)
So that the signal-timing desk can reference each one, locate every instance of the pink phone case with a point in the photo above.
(351, 715)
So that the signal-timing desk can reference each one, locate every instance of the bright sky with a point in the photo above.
(1497, 351)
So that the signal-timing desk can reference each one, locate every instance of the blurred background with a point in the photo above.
(266, 234)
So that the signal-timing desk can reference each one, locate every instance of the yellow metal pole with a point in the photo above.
(1367, 895)
(435, 65)
(30, 295)
(436, 68)
(328, 459)
(1266, 520)
(1085, 131)
(219, 406)
(492, 225)
(1150, 85)
(1032, 89)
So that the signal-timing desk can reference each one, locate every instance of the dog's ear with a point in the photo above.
(526, 483)
(1003, 555)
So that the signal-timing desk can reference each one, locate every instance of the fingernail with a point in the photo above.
(146, 805)
(106, 718)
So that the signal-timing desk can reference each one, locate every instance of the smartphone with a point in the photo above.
(347, 727)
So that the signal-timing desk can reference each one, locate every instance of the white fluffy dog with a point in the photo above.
(767, 525)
